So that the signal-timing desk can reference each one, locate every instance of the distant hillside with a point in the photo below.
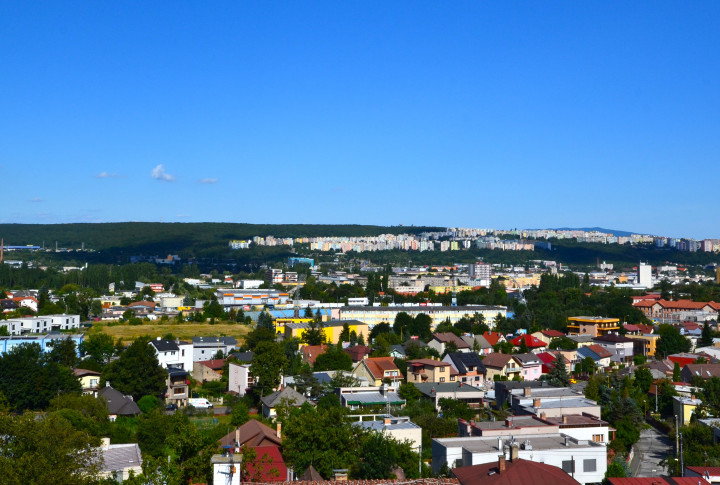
(163, 238)
(614, 232)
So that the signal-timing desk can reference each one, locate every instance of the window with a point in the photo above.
(568, 466)
(598, 438)
(442, 379)
(589, 466)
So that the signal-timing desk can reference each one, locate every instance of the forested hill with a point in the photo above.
(159, 237)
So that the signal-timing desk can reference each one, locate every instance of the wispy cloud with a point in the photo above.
(106, 175)
(208, 181)
(158, 173)
(36, 200)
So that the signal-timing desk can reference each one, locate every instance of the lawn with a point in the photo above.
(183, 331)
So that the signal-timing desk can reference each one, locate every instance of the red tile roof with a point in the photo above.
(358, 352)
(492, 337)
(553, 333)
(378, 365)
(311, 352)
(658, 481)
(713, 471)
(601, 351)
(271, 467)
(214, 364)
(530, 341)
(518, 472)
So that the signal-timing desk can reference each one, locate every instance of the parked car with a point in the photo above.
(171, 407)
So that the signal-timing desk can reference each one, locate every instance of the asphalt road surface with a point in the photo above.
(649, 451)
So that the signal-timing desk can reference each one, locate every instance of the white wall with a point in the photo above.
(238, 378)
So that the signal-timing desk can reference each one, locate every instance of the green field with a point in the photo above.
(183, 331)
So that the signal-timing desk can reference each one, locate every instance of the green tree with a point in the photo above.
(63, 351)
(39, 450)
(86, 413)
(269, 362)
(98, 348)
(643, 379)
(28, 380)
(558, 374)
(676, 372)
(314, 334)
(148, 403)
(334, 358)
(563, 343)
(670, 341)
(137, 372)
(239, 414)
(706, 338)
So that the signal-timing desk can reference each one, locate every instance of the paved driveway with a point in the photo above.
(649, 451)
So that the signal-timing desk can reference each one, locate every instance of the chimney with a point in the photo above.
(514, 448)
(508, 422)
(528, 391)
(105, 443)
(543, 416)
(500, 444)
(501, 463)
(278, 430)
(536, 403)
(387, 420)
(237, 437)
(564, 421)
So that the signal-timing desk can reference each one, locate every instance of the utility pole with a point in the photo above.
(682, 466)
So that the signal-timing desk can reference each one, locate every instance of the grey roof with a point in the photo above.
(120, 457)
(287, 393)
(243, 356)
(527, 359)
(203, 341)
(164, 345)
(581, 339)
(462, 360)
(482, 341)
(395, 424)
(431, 388)
(371, 398)
(398, 349)
(118, 403)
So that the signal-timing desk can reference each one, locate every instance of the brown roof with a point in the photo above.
(378, 365)
(85, 372)
(428, 362)
(705, 371)
(311, 352)
(358, 352)
(252, 433)
(214, 364)
(518, 472)
(601, 351)
(143, 303)
(447, 337)
(497, 360)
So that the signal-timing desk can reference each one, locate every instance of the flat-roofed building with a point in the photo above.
(330, 329)
(593, 326)
(373, 315)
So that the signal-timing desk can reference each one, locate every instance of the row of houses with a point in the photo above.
(41, 324)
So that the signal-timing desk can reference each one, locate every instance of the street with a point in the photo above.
(649, 451)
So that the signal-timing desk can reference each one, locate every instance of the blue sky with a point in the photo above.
(474, 114)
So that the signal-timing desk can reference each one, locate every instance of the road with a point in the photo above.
(649, 451)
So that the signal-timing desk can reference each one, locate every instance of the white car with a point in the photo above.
(200, 402)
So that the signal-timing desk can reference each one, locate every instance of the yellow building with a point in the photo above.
(281, 322)
(644, 344)
(592, 326)
(89, 380)
(683, 407)
(372, 315)
(516, 282)
(331, 330)
(441, 290)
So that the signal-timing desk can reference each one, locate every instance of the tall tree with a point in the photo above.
(558, 374)
(136, 371)
(268, 364)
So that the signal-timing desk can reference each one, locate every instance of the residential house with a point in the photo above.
(702, 371)
(428, 370)
(266, 443)
(178, 390)
(251, 434)
(533, 344)
(89, 380)
(358, 352)
(400, 429)
(119, 461)
(478, 344)
(286, 396)
(442, 341)
(594, 353)
(549, 359)
(548, 335)
(709, 473)
(240, 380)
(206, 348)
(310, 352)
(493, 338)
(531, 366)
(435, 391)
(397, 352)
(208, 370)
(117, 403)
(684, 407)
(501, 366)
(619, 346)
(173, 353)
(373, 396)
(469, 367)
(378, 370)
(513, 472)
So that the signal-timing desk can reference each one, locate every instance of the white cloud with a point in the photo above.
(106, 175)
(208, 181)
(158, 173)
